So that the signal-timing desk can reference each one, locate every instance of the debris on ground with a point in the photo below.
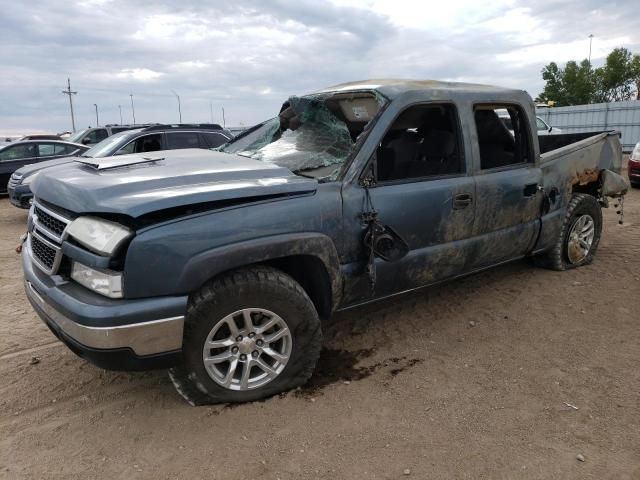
(580, 457)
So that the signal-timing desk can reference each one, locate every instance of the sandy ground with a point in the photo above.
(467, 380)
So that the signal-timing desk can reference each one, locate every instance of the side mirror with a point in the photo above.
(86, 141)
(385, 242)
(550, 128)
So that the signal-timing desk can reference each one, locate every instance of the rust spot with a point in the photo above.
(588, 175)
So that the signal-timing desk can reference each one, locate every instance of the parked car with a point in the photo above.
(634, 167)
(94, 135)
(221, 264)
(41, 136)
(541, 126)
(18, 154)
(139, 140)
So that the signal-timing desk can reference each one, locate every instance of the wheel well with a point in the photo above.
(591, 188)
(312, 275)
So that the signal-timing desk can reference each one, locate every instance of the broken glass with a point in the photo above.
(306, 136)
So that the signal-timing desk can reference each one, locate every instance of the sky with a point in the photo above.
(248, 56)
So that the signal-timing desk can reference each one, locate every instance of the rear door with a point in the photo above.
(179, 140)
(507, 177)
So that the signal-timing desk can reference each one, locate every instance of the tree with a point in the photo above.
(578, 83)
(635, 72)
(614, 82)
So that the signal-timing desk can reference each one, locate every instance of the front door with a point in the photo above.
(12, 157)
(422, 190)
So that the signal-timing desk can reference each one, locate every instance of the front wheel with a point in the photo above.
(248, 335)
(579, 235)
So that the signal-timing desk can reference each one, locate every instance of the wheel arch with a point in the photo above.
(309, 258)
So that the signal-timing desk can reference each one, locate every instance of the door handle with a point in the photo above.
(530, 189)
(462, 200)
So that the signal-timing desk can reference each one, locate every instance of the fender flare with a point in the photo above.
(210, 263)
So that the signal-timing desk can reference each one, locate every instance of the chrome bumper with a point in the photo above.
(144, 338)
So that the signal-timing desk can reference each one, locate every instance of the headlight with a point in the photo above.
(104, 282)
(635, 155)
(98, 235)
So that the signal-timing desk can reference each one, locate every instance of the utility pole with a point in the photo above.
(133, 110)
(120, 108)
(224, 124)
(211, 110)
(179, 109)
(590, 42)
(97, 120)
(69, 92)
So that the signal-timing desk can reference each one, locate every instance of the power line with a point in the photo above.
(69, 92)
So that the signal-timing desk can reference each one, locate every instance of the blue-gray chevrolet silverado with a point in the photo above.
(221, 264)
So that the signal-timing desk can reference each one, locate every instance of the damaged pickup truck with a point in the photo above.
(221, 264)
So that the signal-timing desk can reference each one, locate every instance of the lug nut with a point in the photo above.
(243, 357)
(239, 338)
(234, 350)
(259, 343)
(254, 354)
(251, 335)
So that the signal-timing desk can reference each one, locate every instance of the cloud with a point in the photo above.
(248, 56)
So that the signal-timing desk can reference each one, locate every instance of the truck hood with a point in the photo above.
(138, 184)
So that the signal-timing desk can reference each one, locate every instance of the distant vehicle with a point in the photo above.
(44, 136)
(15, 155)
(541, 126)
(94, 135)
(634, 167)
(139, 140)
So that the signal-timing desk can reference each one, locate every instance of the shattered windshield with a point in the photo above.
(305, 137)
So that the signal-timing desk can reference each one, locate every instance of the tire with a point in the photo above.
(564, 254)
(265, 296)
(635, 184)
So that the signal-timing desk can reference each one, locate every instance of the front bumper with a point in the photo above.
(19, 195)
(138, 334)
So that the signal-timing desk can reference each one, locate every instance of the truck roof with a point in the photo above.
(393, 87)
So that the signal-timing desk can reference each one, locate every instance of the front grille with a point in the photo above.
(13, 182)
(46, 234)
(634, 171)
(49, 222)
(43, 253)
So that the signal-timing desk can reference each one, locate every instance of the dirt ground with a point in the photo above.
(468, 380)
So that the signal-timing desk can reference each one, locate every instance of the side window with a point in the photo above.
(424, 141)
(213, 140)
(498, 145)
(541, 125)
(147, 143)
(177, 140)
(18, 152)
(98, 135)
(67, 149)
(46, 149)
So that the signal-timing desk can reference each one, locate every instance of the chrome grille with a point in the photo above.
(45, 254)
(14, 181)
(47, 221)
(46, 234)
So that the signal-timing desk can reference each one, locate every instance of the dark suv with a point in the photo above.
(139, 140)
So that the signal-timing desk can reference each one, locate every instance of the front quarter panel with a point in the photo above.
(178, 256)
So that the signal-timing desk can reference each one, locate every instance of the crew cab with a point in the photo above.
(220, 265)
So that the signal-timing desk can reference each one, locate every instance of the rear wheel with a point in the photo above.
(248, 335)
(579, 236)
